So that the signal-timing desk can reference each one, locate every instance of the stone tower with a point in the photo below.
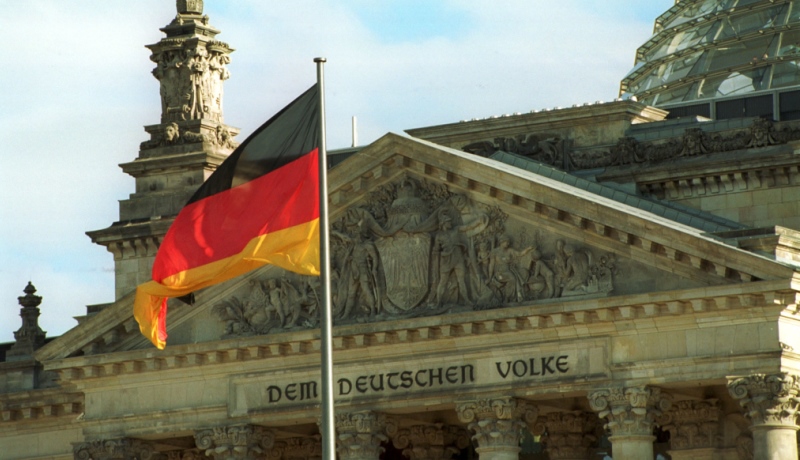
(190, 141)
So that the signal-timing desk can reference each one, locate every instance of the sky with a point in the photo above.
(76, 91)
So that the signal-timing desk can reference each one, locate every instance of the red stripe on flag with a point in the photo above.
(222, 224)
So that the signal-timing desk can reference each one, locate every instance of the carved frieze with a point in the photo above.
(693, 424)
(113, 449)
(568, 435)
(768, 398)
(415, 248)
(243, 442)
(297, 449)
(429, 442)
(630, 411)
(628, 150)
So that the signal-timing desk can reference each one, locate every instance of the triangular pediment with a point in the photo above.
(420, 230)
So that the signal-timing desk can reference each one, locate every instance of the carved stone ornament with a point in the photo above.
(628, 150)
(360, 434)
(568, 435)
(297, 449)
(745, 448)
(30, 336)
(498, 422)
(629, 411)
(417, 249)
(768, 399)
(693, 424)
(113, 449)
(190, 72)
(238, 442)
(191, 454)
(430, 442)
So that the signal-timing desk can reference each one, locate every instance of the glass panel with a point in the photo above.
(785, 74)
(703, 110)
(672, 95)
(697, 10)
(683, 40)
(741, 24)
(794, 12)
(790, 43)
(734, 54)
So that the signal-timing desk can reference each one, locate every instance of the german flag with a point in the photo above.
(261, 206)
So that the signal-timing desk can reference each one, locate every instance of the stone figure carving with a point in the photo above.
(451, 255)
(552, 150)
(190, 73)
(415, 248)
(507, 275)
(272, 304)
(359, 280)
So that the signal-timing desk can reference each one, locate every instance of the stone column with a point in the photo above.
(770, 402)
(429, 442)
(360, 435)
(113, 449)
(498, 424)
(694, 429)
(630, 413)
(568, 435)
(237, 442)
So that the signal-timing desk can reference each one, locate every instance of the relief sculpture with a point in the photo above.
(415, 248)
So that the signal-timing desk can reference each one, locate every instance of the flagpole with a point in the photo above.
(326, 426)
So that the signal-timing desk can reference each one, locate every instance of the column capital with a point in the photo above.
(360, 435)
(113, 449)
(498, 423)
(768, 399)
(630, 411)
(568, 435)
(235, 442)
(429, 442)
(693, 424)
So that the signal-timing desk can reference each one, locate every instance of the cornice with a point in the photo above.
(577, 319)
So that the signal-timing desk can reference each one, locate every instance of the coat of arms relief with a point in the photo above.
(415, 248)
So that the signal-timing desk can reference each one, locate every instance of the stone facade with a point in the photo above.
(585, 281)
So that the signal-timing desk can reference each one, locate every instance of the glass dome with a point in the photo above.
(711, 49)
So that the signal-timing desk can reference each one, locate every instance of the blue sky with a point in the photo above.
(76, 91)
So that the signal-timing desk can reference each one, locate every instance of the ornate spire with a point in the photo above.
(190, 67)
(30, 336)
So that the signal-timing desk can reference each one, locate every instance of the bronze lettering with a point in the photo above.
(372, 385)
(361, 384)
(532, 362)
(291, 391)
(561, 363)
(405, 377)
(308, 390)
(435, 374)
(389, 380)
(273, 393)
(345, 387)
(416, 379)
(546, 365)
(467, 370)
(520, 371)
(500, 370)
(451, 374)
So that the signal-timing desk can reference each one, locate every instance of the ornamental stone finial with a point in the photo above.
(190, 6)
(30, 336)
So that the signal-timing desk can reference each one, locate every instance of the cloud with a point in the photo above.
(77, 91)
